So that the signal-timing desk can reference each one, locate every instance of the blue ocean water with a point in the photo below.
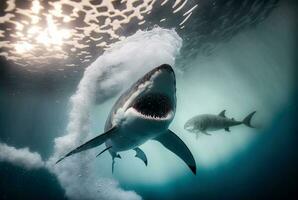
(254, 68)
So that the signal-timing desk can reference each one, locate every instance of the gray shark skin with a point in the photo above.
(208, 122)
(144, 112)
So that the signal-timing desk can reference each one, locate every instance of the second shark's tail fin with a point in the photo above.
(247, 120)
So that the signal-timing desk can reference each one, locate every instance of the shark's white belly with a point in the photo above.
(127, 140)
(134, 131)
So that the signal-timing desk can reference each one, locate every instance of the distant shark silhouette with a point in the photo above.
(143, 112)
(208, 122)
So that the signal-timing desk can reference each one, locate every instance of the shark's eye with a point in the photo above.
(154, 105)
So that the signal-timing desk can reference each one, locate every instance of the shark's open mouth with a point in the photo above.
(154, 105)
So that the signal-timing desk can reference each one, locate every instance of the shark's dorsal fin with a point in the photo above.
(98, 140)
(140, 154)
(222, 114)
(172, 142)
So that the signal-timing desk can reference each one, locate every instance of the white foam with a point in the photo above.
(21, 157)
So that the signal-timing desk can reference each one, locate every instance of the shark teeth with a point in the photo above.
(152, 116)
(168, 116)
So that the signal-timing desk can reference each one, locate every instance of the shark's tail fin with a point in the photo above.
(247, 119)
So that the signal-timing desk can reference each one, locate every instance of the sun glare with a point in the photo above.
(22, 47)
(35, 7)
(65, 31)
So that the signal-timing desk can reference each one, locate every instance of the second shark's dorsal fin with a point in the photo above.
(91, 143)
(172, 142)
(222, 114)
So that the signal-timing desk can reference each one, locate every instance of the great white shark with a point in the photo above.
(209, 122)
(144, 112)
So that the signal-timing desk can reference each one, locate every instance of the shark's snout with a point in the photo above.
(165, 67)
(157, 96)
(188, 126)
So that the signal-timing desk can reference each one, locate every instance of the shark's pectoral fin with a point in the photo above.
(91, 143)
(107, 148)
(172, 142)
(227, 129)
(140, 154)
